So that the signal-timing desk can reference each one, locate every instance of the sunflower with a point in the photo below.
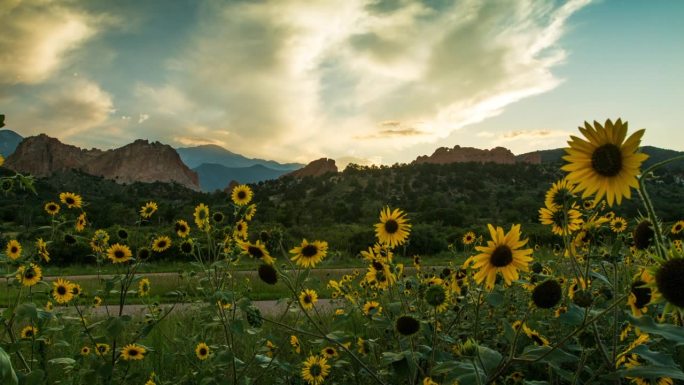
(308, 298)
(29, 332)
(469, 238)
(201, 216)
(133, 352)
(535, 336)
(256, 250)
(85, 351)
(371, 308)
(51, 208)
(41, 249)
(202, 351)
(101, 349)
(315, 369)
(438, 296)
(429, 381)
(148, 209)
(502, 254)
(605, 164)
(62, 290)
(560, 193)
(669, 278)
(618, 225)
(241, 195)
(81, 222)
(329, 352)
(119, 253)
(97, 301)
(562, 222)
(250, 212)
(29, 276)
(296, 346)
(393, 228)
(309, 254)
(13, 249)
(161, 244)
(71, 200)
(182, 228)
(143, 287)
(271, 348)
(49, 306)
(677, 227)
(240, 230)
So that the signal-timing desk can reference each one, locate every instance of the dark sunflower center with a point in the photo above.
(642, 294)
(307, 299)
(203, 352)
(391, 226)
(561, 196)
(330, 352)
(101, 349)
(52, 207)
(607, 160)
(502, 256)
(255, 252)
(643, 235)
(119, 254)
(161, 244)
(29, 274)
(558, 218)
(377, 266)
(70, 201)
(239, 227)
(241, 195)
(29, 333)
(309, 251)
(315, 370)
(61, 290)
(678, 228)
(14, 249)
(132, 352)
(537, 340)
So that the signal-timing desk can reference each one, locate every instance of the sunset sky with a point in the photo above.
(378, 81)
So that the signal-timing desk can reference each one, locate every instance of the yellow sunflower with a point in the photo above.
(13, 249)
(393, 228)
(371, 308)
(469, 238)
(143, 287)
(677, 227)
(202, 351)
(161, 244)
(429, 381)
(148, 209)
(41, 249)
(182, 228)
(535, 336)
(102, 349)
(119, 253)
(502, 254)
(618, 225)
(51, 208)
(240, 231)
(71, 200)
(329, 352)
(250, 212)
(85, 351)
(309, 254)
(29, 332)
(560, 194)
(133, 352)
(241, 195)
(81, 222)
(256, 250)
(99, 241)
(315, 369)
(562, 222)
(296, 346)
(62, 290)
(308, 298)
(29, 276)
(201, 216)
(97, 301)
(605, 164)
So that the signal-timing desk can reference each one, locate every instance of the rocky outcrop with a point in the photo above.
(315, 168)
(140, 161)
(458, 154)
(530, 157)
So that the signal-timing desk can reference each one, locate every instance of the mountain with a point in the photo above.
(140, 161)
(458, 154)
(209, 153)
(9, 140)
(217, 177)
(316, 168)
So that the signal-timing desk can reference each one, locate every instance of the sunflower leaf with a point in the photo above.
(667, 331)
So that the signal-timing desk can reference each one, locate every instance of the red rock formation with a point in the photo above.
(530, 157)
(139, 161)
(460, 154)
(315, 168)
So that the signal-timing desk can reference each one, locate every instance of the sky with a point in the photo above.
(363, 81)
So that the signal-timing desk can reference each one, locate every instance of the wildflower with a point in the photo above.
(97, 301)
(13, 249)
(81, 222)
(618, 225)
(143, 287)
(296, 346)
(241, 195)
(119, 253)
(309, 254)
(202, 351)
(315, 369)
(256, 250)
(133, 352)
(560, 194)
(85, 351)
(250, 212)
(102, 349)
(29, 276)
(535, 336)
(393, 229)
(437, 296)
(468, 238)
(562, 221)
(308, 298)
(201, 216)
(407, 325)
(371, 308)
(71, 200)
(329, 352)
(148, 209)
(547, 294)
(28, 332)
(182, 228)
(677, 227)
(240, 231)
(161, 244)
(62, 290)
(51, 208)
(605, 164)
(268, 274)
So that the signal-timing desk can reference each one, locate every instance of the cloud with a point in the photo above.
(525, 140)
(37, 37)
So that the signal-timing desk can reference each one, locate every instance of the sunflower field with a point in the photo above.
(604, 308)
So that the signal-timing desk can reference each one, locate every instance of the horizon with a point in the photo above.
(366, 82)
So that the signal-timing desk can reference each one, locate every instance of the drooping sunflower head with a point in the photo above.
(133, 352)
(62, 290)
(13, 249)
(268, 274)
(241, 195)
(51, 208)
(161, 244)
(560, 194)
(605, 163)
(669, 280)
(202, 351)
(309, 254)
(547, 294)
(407, 325)
(119, 253)
(393, 229)
(71, 200)
(81, 222)
(315, 369)
(148, 209)
(643, 235)
(503, 254)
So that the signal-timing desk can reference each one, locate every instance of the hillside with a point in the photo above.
(9, 140)
(217, 177)
(655, 155)
(213, 154)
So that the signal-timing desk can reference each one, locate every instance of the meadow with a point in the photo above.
(595, 300)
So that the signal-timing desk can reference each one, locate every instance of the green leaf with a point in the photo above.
(27, 311)
(7, 375)
(656, 358)
(495, 299)
(653, 371)
(557, 356)
(62, 361)
(490, 358)
(33, 378)
(574, 316)
(667, 331)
